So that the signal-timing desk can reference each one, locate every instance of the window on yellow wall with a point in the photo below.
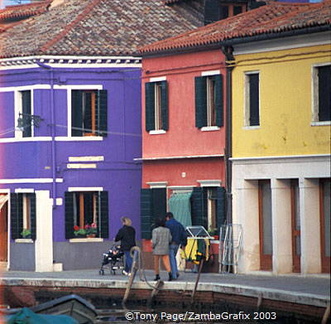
(322, 93)
(252, 99)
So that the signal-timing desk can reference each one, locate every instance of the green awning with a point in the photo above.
(180, 206)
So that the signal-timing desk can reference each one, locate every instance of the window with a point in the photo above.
(322, 93)
(208, 207)
(209, 101)
(23, 215)
(216, 10)
(86, 209)
(252, 99)
(89, 113)
(156, 95)
(25, 113)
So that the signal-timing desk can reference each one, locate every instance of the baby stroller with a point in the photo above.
(113, 260)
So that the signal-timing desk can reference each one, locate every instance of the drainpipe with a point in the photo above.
(227, 51)
(53, 148)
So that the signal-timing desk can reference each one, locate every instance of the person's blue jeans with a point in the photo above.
(173, 248)
(128, 261)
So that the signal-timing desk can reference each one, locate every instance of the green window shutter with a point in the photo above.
(102, 112)
(153, 204)
(219, 101)
(200, 102)
(221, 207)
(150, 106)
(16, 222)
(146, 213)
(69, 214)
(164, 105)
(76, 113)
(33, 215)
(199, 207)
(103, 212)
(26, 110)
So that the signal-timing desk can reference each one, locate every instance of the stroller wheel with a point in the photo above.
(101, 272)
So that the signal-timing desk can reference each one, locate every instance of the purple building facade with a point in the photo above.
(69, 132)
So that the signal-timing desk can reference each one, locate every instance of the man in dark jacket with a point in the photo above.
(127, 236)
(179, 238)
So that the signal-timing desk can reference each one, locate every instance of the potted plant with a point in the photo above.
(79, 232)
(91, 230)
(26, 233)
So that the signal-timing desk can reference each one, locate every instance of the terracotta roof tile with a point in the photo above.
(95, 27)
(23, 11)
(270, 19)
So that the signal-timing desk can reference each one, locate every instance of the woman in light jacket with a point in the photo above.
(161, 239)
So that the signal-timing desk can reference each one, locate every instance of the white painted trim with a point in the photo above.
(160, 184)
(29, 87)
(74, 189)
(210, 73)
(280, 44)
(210, 128)
(84, 240)
(210, 183)
(81, 166)
(78, 87)
(86, 158)
(158, 79)
(24, 241)
(30, 180)
(24, 190)
(49, 139)
(157, 132)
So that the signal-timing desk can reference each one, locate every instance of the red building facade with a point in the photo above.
(184, 143)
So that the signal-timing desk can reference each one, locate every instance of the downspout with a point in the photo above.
(227, 51)
(53, 148)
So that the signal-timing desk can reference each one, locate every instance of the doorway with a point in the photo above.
(3, 228)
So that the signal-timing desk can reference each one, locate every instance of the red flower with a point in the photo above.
(76, 228)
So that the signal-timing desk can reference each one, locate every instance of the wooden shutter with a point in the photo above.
(16, 222)
(153, 204)
(212, 11)
(254, 113)
(103, 212)
(26, 110)
(220, 207)
(324, 93)
(149, 106)
(146, 213)
(219, 100)
(69, 214)
(199, 207)
(200, 102)
(76, 113)
(33, 215)
(102, 112)
(164, 105)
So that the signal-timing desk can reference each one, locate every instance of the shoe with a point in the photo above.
(177, 275)
(170, 276)
(157, 277)
(125, 273)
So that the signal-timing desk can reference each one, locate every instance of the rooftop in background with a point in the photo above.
(271, 20)
(95, 28)
(11, 15)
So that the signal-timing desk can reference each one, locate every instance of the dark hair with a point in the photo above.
(169, 215)
(160, 221)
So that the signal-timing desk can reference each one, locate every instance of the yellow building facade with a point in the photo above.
(281, 153)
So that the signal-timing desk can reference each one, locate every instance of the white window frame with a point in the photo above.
(315, 94)
(18, 104)
(247, 101)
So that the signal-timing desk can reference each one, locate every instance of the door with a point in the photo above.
(265, 225)
(295, 221)
(325, 201)
(3, 227)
